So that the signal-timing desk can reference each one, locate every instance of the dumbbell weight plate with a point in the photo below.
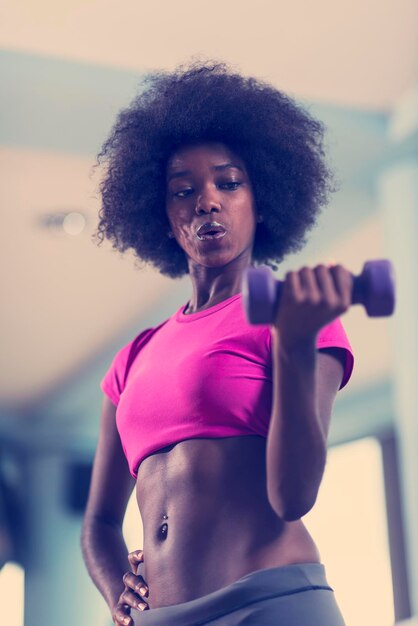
(259, 295)
(375, 288)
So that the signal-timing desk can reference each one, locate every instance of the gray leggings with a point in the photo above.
(291, 595)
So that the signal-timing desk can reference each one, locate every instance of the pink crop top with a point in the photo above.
(207, 374)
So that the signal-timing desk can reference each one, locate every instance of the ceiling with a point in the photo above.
(68, 67)
(350, 52)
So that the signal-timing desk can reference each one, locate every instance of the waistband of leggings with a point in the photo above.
(255, 586)
(285, 578)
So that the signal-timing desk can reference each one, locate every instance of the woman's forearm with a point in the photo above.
(296, 444)
(106, 557)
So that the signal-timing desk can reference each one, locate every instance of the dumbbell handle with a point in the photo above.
(374, 288)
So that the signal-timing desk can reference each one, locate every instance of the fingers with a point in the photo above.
(121, 616)
(136, 583)
(136, 590)
(330, 285)
(133, 600)
(292, 287)
(135, 558)
(327, 284)
(343, 280)
(302, 286)
(312, 288)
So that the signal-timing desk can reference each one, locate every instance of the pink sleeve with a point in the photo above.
(113, 382)
(334, 336)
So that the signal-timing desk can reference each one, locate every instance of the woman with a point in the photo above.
(221, 426)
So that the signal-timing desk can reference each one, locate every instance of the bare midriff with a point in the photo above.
(207, 519)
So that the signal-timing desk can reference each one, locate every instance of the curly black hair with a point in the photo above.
(280, 143)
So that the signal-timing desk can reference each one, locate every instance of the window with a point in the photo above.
(348, 524)
(12, 594)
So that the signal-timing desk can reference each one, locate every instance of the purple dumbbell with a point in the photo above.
(374, 288)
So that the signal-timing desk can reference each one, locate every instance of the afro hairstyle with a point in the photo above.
(280, 143)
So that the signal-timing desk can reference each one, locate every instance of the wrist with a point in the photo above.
(293, 347)
(114, 601)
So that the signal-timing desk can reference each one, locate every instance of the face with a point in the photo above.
(209, 183)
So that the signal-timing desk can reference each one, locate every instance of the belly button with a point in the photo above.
(163, 531)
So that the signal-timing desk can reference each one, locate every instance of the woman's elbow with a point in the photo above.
(293, 509)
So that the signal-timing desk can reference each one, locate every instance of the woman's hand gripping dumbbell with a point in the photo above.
(322, 294)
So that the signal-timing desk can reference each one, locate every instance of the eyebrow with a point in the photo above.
(216, 168)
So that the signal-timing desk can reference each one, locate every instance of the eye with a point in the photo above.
(232, 182)
(180, 194)
(231, 185)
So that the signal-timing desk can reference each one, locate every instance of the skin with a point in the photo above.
(204, 195)
(206, 543)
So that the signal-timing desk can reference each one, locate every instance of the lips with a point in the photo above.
(210, 228)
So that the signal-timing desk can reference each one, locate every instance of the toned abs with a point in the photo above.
(207, 520)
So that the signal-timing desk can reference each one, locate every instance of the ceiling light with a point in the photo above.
(64, 222)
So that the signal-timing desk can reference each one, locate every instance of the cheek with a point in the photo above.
(181, 226)
(178, 213)
(184, 232)
(247, 217)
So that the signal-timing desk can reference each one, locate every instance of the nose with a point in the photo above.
(206, 203)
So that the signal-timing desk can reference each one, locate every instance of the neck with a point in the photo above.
(213, 285)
